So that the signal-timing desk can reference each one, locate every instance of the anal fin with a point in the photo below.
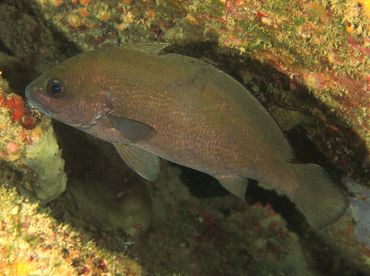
(234, 184)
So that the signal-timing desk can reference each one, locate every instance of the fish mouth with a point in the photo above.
(39, 107)
(35, 105)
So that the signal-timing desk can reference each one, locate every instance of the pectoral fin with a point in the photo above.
(142, 162)
(132, 130)
(234, 184)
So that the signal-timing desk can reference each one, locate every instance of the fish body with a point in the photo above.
(186, 111)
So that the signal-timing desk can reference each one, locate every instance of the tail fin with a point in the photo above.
(317, 196)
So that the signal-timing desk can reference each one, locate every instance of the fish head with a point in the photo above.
(70, 93)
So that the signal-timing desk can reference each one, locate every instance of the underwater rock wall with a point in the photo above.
(323, 46)
(306, 61)
(33, 243)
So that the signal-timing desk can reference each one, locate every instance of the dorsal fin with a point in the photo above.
(149, 48)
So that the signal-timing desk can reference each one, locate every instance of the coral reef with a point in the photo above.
(32, 243)
(44, 159)
(208, 236)
(306, 61)
(127, 208)
(222, 236)
(346, 242)
(321, 46)
(199, 238)
(27, 41)
(360, 206)
(28, 150)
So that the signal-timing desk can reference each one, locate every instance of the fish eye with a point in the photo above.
(55, 88)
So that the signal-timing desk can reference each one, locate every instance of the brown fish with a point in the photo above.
(186, 111)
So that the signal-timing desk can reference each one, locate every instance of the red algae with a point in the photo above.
(36, 159)
(15, 103)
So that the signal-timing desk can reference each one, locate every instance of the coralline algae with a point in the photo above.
(28, 150)
(33, 243)
(44, 159)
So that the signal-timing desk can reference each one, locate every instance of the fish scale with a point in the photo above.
(151, 105)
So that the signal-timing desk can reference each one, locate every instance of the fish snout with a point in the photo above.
(35, 99)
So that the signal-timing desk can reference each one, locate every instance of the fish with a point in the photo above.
(153, 105)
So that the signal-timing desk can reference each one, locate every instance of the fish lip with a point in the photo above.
(35, 105)
(39, 107)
